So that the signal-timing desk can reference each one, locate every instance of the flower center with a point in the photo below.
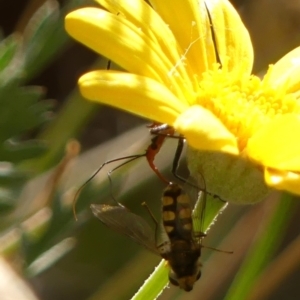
(243, 103)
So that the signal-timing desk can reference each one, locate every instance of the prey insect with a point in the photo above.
(177, 239)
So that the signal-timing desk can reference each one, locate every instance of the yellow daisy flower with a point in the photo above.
(189, 64)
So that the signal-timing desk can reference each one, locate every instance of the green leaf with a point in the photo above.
(11, 61)
(10, 176)
(10, 189)
(8, 50)
(20, 111)
(37, 34)
(19, 151)
(7, 200)
(45, 35)
(155, 284)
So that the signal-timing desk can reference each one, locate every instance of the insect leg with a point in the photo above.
(218, 250)
(175, 165)
(152, 217)
(177, 158)
(109, 173)
(129, 159)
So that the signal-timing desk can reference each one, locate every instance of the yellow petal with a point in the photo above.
(189, 22)
(287, 71)
(233, 39)
(110, 36)
(283, 180)
(136, 94)
(277, 144)
(143, 17)
(132, 44)
(204, 131)
(191, 25)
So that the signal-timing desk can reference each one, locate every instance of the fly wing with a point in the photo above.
(120, 219)
(163, 240)
(198, 205)
(198, 215)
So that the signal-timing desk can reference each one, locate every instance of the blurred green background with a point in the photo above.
(51, 142)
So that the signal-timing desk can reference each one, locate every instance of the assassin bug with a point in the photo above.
(160, 132)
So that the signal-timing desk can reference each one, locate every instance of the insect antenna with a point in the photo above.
(129, 158)
(153, 219)
(150, 153)
(117, 167)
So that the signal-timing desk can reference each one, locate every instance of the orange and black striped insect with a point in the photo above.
(179, 238)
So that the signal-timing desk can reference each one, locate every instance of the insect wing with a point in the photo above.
(198, 215)
(198, 206)
(120, 219)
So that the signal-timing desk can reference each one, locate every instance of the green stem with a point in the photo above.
(155, 284)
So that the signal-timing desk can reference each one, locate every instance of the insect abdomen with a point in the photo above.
(176, 215)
